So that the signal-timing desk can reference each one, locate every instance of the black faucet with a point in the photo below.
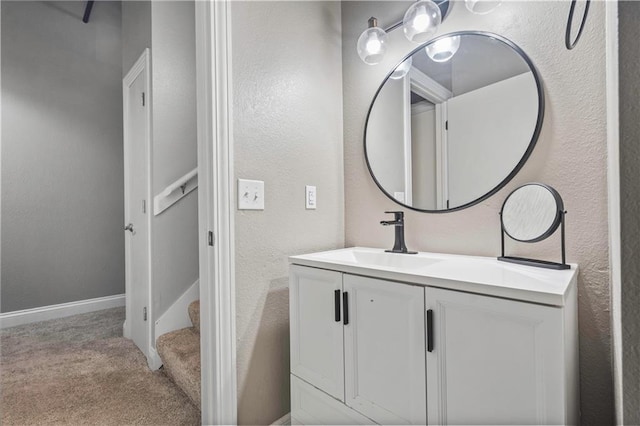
(398, 222)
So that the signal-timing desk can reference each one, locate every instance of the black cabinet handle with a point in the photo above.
(430, 330)
(345, 308)
(336, 305)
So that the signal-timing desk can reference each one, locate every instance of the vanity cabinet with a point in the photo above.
(423, 350)
(384, 347)
(361, 341)
(317, 338)
(497, 361)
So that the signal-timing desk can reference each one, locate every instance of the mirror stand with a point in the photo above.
(536, 262)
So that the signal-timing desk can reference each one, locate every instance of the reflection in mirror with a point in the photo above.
(454, 122)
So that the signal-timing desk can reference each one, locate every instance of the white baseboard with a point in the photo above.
(177, 316)
(44, 313)
(153, 360)
(284, 420)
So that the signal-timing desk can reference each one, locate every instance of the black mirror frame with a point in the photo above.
(525, 157)
(557, 220)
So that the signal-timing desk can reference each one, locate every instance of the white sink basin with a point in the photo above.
(376, 258)
(472, 274)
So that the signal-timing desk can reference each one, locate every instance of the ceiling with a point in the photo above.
(480, 61)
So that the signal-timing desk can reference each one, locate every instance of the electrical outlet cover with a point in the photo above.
(310, 197)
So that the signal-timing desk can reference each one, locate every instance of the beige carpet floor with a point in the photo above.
(78, 371)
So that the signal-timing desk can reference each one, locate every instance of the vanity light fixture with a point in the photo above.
(444, 49)
(372, 43)
(421, 21)
(402, 69)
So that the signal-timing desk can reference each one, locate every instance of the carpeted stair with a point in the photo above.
(194, 314)
(180, 354)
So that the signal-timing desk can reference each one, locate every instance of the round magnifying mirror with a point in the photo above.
(532, 212)
(454, 122)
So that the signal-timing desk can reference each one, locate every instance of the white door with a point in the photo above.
(493, 361)
(316, 328)
(475, 169)
(385, 350)
(137, 222)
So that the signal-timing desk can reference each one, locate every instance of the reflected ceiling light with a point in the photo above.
(421, 21)
(402, 69)
(372, 43)
(482, 7)
(444, 49)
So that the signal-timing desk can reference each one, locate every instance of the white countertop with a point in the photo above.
(474, 274)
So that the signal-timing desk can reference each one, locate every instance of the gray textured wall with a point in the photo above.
(167, 28)
(136, 31)
(570, 155)
(287, 124)
(62, 159)
(629, 34)
(173, 97)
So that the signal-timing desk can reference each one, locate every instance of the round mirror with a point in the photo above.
(532, 212)
(453, 122)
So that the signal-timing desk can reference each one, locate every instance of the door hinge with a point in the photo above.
(446, 125)
(211, 238)
(143, 101)
(144, 206)
(447, 204)
(144, 313)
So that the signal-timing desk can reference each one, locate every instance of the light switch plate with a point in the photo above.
(311, 197)
(250, 194)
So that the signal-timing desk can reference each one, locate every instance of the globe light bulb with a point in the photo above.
(402, 69)
(372, 43)
(421, 21)
(442, 50)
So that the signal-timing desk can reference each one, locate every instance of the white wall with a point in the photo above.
(62, 158)
(287, 131)
(385, 146)
(571, 155)
(473, 169)
(423, 156)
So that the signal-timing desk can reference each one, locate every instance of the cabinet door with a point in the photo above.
(385, 350)
(310, 406)
(316, 328)
(493, 361)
